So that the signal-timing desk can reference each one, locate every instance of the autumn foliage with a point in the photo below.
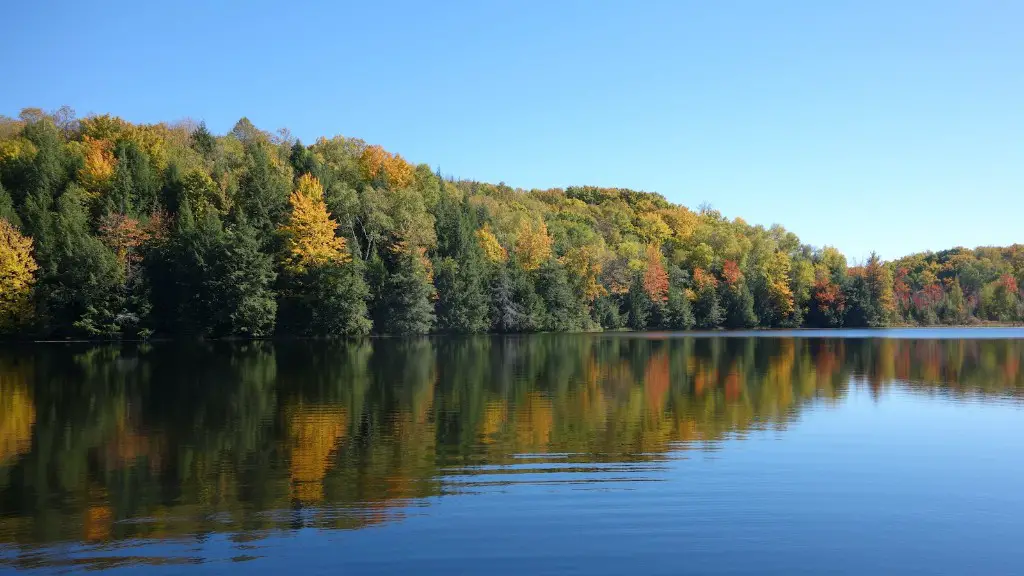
(309, 234)
(655, 276)
(17, 275)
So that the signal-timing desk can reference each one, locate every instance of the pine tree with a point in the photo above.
(7, 209)
(739, 306)
(405, 303)
(459, 270)
(707, 310)
(263, 191)
(565, 312)
(638, 304)
(679, 314)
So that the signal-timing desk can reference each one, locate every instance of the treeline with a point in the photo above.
(114, 230)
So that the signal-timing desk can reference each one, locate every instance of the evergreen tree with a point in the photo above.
(405, 305)
(679, 313)
(209, 281)
(327, 300)
(7, 210)
(461, 298)
(262, 191)
(459, 270)
(515, 305)
(707, 310)
(638, 304)
(565, 312)
(606, 313)
(739, 306)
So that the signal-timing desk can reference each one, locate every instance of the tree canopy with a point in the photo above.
(111, 229)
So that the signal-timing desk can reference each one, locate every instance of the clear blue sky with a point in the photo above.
(894, 126)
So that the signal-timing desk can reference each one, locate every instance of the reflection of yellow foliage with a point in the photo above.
(314, 432)
(495, 414)
(97, 523)
(17, 414)
(534, 420)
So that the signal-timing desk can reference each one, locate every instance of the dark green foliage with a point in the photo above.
(327, 300)
(707, 310)
(461, 295)
(638, 304)
(515, 305)
(679, 312)
(459, 271)
(739, 306)
(861, 311)
(564, 310)
(135, 187)
(79, 291)
(404, 304)
(262, 192)
(202, 141)
(7, 210)
(606, 313)
(212, 281)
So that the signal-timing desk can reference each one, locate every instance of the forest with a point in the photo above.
(115, 230)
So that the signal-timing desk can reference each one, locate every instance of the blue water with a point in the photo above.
(571, 454)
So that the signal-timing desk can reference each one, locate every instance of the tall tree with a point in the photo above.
(17, 276)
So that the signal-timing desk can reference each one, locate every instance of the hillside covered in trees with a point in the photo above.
(114, 230)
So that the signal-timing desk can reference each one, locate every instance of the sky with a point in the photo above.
(867, 125)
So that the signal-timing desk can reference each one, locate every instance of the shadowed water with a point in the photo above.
(803, 452)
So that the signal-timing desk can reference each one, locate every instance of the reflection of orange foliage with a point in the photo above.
(314, 432)
(733, 388)
(657, 381)
(97, 523)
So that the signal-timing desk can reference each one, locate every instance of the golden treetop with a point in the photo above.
(309, 233)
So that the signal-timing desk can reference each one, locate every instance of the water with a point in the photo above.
(804, 452)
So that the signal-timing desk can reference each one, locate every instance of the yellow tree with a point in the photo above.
(309, 232)
(776, 271)
(533, 245)
(378, 163)
(490, 245)
(97, 172)
(17, 274)
(584, 264)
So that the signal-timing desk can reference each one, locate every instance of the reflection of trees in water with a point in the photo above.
(198, 438)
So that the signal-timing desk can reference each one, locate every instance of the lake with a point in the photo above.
(898, 451)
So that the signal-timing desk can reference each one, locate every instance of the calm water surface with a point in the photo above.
(802, 452)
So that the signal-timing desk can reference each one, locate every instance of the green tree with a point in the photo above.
(707, 309)
(405, 303)
(680, 312)
(638, 304)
